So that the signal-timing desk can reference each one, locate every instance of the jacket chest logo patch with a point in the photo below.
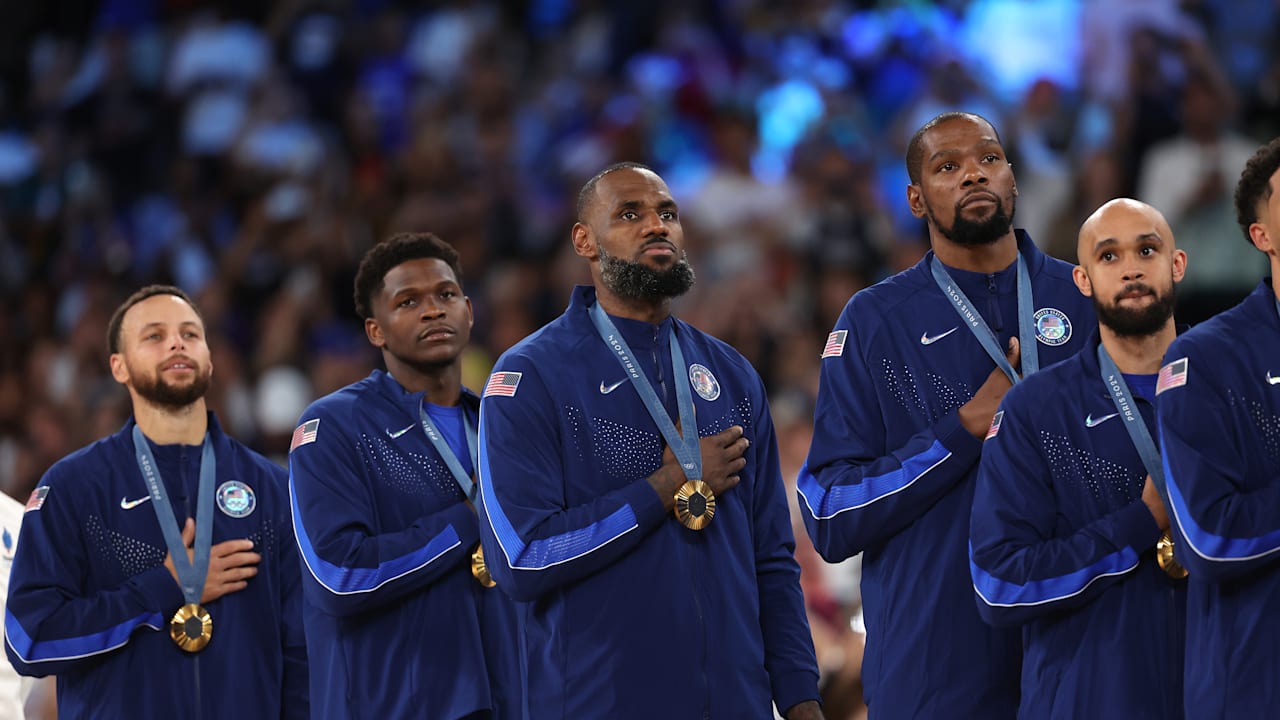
(1053, 327)
(236, 499)
(704, 383)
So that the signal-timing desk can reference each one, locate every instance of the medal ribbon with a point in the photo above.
(446, 452)
(685, 447)
(1133, 422)
(191, 573)
(979, 327)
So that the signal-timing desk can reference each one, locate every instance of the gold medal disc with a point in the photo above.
(480, 569)
(191, 628)
(1164, 557)
(695, 504)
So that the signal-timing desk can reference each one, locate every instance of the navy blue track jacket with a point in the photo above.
(1062, 545)
(397, 627)
(890, 473)
(627, 613)
(90, 598)
(1218, 401)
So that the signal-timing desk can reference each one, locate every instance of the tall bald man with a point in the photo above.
(1067, 520)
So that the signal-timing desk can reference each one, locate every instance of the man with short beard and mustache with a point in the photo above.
(907, 393)
(593, 432)
(1069, 533)
(140, 616)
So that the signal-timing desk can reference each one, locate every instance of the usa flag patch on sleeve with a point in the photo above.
(995, 425)
(1172, 375)
(36, 501)
(502, 383)
(835, 344)
(305, 433)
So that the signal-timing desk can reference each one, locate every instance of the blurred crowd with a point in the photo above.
(251, 152)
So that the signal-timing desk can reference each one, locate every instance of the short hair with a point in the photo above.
(589, 189)
(150, 291)
(396, 250)
(1254, 186)
(915, 153)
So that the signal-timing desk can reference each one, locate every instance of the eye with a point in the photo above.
(448, 294)
(1148, 251)
(192, 334)
(407, 302)
(1107, 256)
(668, 215)
(990, 158)
(947, 167)
(628, 215)
(152, 336)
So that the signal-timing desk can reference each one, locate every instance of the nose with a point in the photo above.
(974, 174)
(654, 225)
(431, 308)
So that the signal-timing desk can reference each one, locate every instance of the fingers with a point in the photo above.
(236, 559)
(189, 533)
(1014, 353)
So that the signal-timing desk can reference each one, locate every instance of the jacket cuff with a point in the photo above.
(794, 687)
(158, 591)
(1138, 529)
(465, 523)
(950, 431)
(646, 503)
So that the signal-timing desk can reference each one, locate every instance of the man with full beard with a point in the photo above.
(1066, 533)
(594, 432)
(908, 391)
(128, 585)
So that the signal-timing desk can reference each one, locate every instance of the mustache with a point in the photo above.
(1135, 288)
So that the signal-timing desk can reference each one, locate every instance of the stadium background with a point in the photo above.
(251, 152)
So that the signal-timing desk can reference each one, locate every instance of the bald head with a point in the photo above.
(1121, 219)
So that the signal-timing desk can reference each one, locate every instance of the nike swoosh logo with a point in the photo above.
(127, 504)
(606, 389)
(1089, 421)
(398, 433)
(1272, 380)
(926, 340)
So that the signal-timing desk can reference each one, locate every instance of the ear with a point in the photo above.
(915, 200)
(119, 371)
(1262, 239)
(471, 317)
(584, 241)
(374, 332)
(1179, 265)
(1015, 185)
(1081, 279)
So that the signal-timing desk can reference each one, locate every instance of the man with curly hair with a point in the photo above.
(401, 614)
(1218, 403)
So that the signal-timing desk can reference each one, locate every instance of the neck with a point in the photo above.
(976, 258)
(1138, 355)
(171, 426)
(440, 385)
(650, 310)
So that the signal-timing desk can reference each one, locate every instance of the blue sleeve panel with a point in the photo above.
(1023, 564)
(532, 543)
(855, 491)
(354, 565)
(1223, 489)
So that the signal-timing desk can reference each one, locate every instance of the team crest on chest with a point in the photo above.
(236, 499)
(1053, 327)
(704, 383)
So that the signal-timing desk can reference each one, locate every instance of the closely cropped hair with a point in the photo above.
(589, 188)
(150, 291)
(1254, 187)
(393, 251)
(915, 153)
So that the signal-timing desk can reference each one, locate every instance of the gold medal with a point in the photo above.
(695, 504)
(191, 628)
(1164, 557)
(480, 569)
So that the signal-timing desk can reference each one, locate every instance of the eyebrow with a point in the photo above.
(1150, 237)
(634, 204)
(985, 143)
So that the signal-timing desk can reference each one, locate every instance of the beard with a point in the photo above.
(156, 390)
(1136, 322)
(638, 281)
(973, 233)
